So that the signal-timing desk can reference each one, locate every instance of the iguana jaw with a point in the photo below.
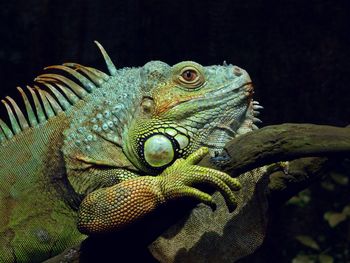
(224, 115)
(221, 93)
(210, 106)
(230, 88)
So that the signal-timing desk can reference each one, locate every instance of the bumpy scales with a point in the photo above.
(71, 160)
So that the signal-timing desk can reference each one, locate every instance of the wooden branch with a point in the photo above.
(301, 173)
(282, 143)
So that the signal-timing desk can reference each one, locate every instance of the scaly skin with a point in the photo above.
(108, 209)
(81, 151)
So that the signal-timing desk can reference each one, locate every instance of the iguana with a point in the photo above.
(71, 164)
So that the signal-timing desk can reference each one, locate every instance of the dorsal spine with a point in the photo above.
(56, 94)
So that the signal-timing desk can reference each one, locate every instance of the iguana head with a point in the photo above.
(186, 106)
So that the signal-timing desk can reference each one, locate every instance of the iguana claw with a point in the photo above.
(178, 180)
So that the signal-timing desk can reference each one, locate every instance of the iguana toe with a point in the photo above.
(179, 180)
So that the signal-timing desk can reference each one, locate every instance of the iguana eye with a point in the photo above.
(190, 77)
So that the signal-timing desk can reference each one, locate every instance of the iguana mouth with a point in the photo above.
(237, 95)
(231, 88)
(249, 87)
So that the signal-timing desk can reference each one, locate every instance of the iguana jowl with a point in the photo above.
(73, 162)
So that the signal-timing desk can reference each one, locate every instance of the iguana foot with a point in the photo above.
(179, 179)
(112, 208)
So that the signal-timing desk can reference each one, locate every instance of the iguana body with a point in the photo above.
(74, 161)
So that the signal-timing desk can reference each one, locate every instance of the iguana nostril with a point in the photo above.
(237, 71)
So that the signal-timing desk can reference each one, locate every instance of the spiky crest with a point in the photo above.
(57, 93)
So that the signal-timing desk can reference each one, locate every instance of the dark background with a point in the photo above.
(297, 52)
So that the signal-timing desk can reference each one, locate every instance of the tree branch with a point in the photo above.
(284, 142)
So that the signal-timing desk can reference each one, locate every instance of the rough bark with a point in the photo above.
(284, 142)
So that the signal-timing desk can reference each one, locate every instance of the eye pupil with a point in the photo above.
(189, 75)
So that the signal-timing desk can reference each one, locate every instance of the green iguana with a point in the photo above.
(71, 165)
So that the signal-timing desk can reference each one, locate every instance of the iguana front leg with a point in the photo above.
(112, 208)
